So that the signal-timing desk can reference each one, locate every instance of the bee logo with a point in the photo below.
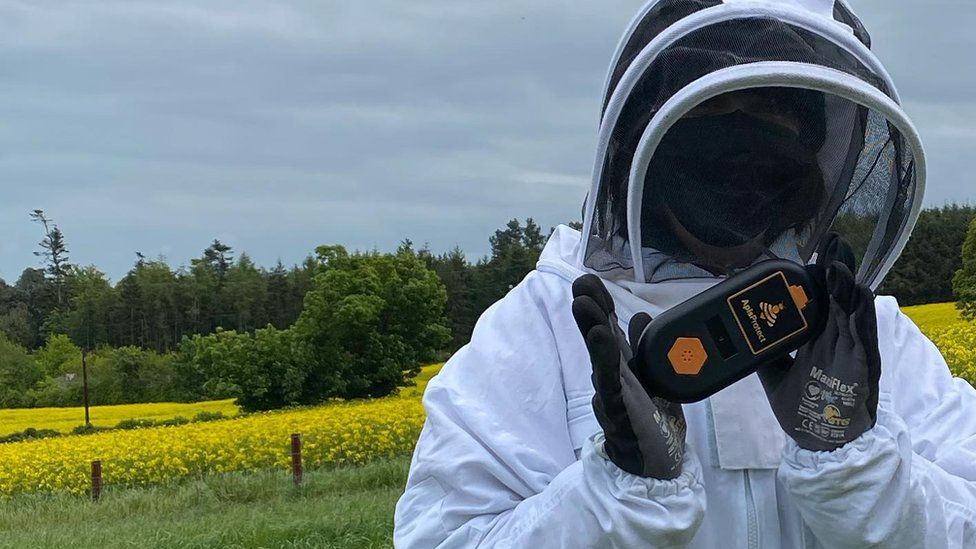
(833, 416)
(770, 312)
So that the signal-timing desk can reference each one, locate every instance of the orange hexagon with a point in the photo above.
(687, 356)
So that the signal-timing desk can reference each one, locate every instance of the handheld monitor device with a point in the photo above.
(723, 334)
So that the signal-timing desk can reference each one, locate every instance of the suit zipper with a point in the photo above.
(751, 518)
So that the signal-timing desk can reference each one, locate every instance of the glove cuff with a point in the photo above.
(595, 456)
(887, 427)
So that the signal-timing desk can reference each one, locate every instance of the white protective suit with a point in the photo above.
(511, 452)
(507, 457)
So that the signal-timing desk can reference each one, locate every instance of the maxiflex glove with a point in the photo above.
(828, 395)
(645, 435)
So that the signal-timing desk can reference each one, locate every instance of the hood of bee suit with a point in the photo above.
(675, 192)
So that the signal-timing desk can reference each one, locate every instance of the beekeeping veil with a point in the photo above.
(847, 159)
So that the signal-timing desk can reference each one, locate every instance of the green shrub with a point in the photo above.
(208, 416)
(135, 423)
(370, 321)
(261, 370)
(121, 375)
(29, 434)
(88, 429)
(178, 420)
(57, 352)
(18, 374)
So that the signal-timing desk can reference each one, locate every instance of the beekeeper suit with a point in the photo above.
(731, 132)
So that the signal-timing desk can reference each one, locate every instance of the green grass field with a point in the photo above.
(350, 507)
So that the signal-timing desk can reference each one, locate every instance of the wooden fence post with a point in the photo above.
(296, 458)
(96, 480)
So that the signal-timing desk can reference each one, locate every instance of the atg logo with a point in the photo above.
(770, 312)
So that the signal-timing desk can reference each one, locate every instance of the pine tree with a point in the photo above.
(54, 250)
(221, 257)
(278, 296)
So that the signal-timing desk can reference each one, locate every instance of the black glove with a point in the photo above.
(645, 435)
(828, 395)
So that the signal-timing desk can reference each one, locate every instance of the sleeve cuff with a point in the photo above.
(889, 433)
(624, 484)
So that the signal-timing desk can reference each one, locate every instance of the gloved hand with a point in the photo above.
(645, 435)
(828, 395)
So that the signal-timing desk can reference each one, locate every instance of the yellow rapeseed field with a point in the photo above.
(935, 317)
(333, 434)
(955, 337)
(66, 419)
(336, 434)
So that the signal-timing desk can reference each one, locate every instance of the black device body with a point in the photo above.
(723, 334)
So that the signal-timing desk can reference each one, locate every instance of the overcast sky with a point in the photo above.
(277, 126)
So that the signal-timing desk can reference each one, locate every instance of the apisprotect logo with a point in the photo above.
(753, 320)
(770, 312)
(767, 312)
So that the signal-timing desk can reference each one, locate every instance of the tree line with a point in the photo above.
(331, 326)
(154, 305)
(367, 323)
(924, 272)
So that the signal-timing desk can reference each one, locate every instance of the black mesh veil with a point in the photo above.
(656, 18)
(851, 165)
(657, 15)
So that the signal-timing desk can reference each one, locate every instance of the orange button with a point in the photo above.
(687, 356)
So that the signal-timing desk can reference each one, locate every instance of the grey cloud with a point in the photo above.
(282, 125)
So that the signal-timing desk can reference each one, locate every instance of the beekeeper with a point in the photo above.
(732, 132)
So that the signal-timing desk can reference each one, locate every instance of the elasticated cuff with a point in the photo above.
(882, 437)
(624, 484)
